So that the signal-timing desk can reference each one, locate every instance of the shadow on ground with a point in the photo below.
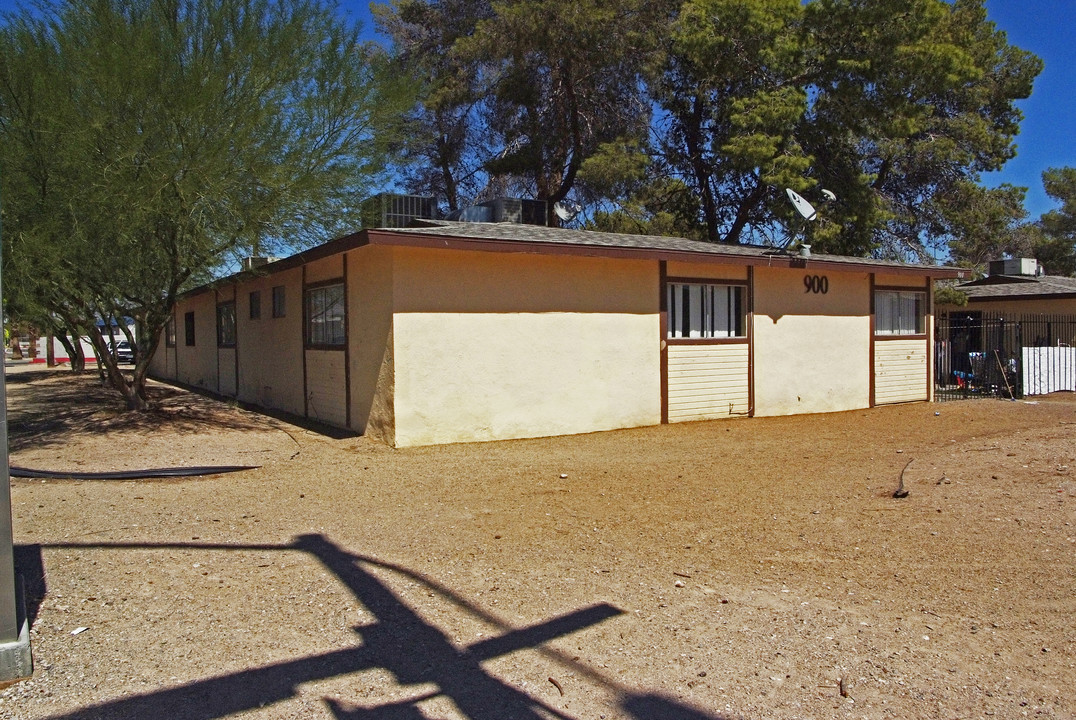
(400, 642)
(79, 405)
(29, 564)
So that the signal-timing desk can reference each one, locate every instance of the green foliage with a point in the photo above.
(519, 94)
(147, 142)
(982, 224)
(1055, 247)
(949, 295)
(889, 105)
(660, 208)
(896, 106)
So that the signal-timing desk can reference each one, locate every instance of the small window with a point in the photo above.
(188, 328)
(226, 324)
(278, 301)
(900, 312)
(255, 304)
(705, 310)
(170, 332)
(325, 316)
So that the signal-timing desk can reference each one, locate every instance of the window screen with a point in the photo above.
(325, 315)
(900, 312)
(705, 310)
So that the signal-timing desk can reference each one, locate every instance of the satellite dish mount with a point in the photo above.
(807, 211)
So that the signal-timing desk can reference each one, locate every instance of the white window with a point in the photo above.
(325, 316)
(706, 310)
(900, 312)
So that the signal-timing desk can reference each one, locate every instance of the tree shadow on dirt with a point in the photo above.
(400, 642)
(49, 409)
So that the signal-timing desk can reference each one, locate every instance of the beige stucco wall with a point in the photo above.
(491, 346)
(675, 269)
(197, 364)
(811, 350)
(271, 349)
(330, 268)
(369, 314)
(903, 281)
(163, 362)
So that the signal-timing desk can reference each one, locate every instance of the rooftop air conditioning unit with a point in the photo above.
(517, 210)
(389, 210)
(249, 263)
(1015, 266)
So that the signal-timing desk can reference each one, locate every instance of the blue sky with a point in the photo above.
(1048, 133)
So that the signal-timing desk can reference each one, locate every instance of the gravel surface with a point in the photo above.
(755, 568)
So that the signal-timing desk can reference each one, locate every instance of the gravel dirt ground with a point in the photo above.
(753, 568)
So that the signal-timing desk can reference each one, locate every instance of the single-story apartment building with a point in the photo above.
(1017, 286)
(462, 331)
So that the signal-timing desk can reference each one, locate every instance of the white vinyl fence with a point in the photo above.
(1049, 369)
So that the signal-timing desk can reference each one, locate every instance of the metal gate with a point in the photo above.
(978, 354)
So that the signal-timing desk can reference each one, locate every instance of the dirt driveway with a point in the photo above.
(750, 568)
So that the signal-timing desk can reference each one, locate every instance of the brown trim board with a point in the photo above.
(750, 342)
(302, 331)
(347, 345)
(663, 332)
(870, 398)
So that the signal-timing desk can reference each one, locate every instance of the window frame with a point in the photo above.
(170, 332)
(188, 329)
(280, 302)
(894, 325)
(736, 313)
(338, 338)
(254, 304)
(224, 310)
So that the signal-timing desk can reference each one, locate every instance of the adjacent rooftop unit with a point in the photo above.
(390, 210)
(517, 210)
(1014, 266)
(249, 263)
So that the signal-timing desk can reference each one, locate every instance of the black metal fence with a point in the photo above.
(979, 354)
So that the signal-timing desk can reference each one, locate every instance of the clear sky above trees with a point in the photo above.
(1048, 133)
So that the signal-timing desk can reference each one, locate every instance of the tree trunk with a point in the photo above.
(50, 353)
(74, 351)
(133, 390)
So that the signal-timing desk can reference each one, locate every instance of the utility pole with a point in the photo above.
(15, 659)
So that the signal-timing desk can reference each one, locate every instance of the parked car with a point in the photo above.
(124, 352)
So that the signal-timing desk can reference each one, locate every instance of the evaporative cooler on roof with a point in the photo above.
(389, 210)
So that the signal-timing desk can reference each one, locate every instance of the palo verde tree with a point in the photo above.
(147, 142)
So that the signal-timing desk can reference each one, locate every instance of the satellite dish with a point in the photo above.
(566, 211)
(802, 206)
(829, 195)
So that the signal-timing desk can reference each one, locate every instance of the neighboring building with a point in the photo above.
(1017, 287)
(450, 332)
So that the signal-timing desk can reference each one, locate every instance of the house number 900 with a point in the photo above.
(816, 284)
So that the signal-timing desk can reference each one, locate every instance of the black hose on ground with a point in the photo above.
(129, 474)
